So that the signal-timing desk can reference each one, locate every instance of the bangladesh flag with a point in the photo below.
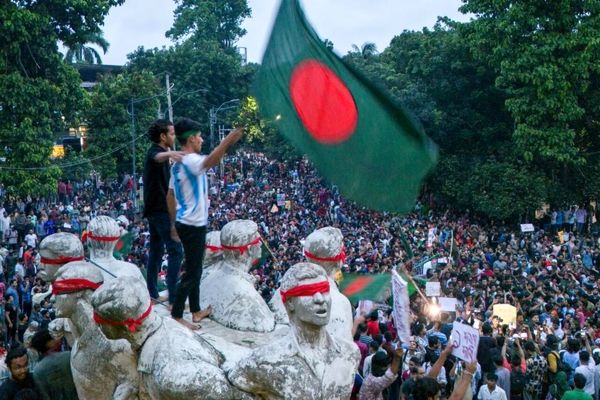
(375, 287)
(354, 134)
(123, 246)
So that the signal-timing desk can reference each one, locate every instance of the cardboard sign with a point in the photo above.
(465, 340)
(527, 228)
(448, 304)
(364, 307)
(506, 312)
(433, 289)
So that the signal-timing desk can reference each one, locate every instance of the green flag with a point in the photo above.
(376, 287)
(353, 133)
(123, 246)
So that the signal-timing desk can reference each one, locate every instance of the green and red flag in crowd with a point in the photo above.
(375, 287)
(123, 246)
(355, 135)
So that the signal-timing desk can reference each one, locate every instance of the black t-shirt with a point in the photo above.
(156, 182)
(10, 388)
(487, 350)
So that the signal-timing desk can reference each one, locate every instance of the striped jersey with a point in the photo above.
(188, 181)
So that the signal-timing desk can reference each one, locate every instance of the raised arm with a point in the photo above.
(215, 156)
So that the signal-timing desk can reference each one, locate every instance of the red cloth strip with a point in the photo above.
(340, 257)
(131, 324)
(59, 260)
(306, 290)
(73, 285)
(212, 248)
(103, 238)
(243, 248)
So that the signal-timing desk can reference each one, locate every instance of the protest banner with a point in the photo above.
(281, 199)
(527, 228)
(401, 307)
(447, 304)
(431, 237)
(364, 307)
(433, 289)
(465, 340)
(506, 312)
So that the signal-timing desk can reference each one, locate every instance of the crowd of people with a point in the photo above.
(550, 275)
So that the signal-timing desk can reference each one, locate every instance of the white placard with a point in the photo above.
(527, 228)
(433, 289)
(465, 340)
(448, 304)
(401, 309)
(364, 307)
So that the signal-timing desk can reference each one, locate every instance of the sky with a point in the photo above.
(344, 22)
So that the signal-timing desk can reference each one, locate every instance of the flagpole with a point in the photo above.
(410, 278)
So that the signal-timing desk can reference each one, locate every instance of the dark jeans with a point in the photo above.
(193, 239)
(160, 236)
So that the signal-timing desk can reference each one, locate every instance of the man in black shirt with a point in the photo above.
(156, 185)
(20, 377)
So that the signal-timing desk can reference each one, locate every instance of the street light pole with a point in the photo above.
(133, 155)
(212, 118)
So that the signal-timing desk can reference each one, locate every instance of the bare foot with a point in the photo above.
(200, 315)
(187, 324)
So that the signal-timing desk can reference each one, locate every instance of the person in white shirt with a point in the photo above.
(188, 203)
(31, 239)
(490, 391)
(586, 368)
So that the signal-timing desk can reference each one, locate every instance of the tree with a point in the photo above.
(109, 117)
(367, 50)
(546, 58)
(80, 53)
(39, 92)
(213, 20)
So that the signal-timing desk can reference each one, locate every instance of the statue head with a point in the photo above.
(57, 250)
(74, 281)
(305, 294)
(103, 233)
(240, 240)
(325, 247)
(123, 310)
(213, 252)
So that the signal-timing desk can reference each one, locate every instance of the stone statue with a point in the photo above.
(173, 363)
(229, 288)
(56, 250)
(307, 363)
(325, 247)
(102, 368)
(103, 233)
(213, 252)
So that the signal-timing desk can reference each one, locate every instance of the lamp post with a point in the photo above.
(212, 118)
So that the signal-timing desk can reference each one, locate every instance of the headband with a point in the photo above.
(73, 285)
(243, 248)
(306, 290)
(101, 238)
(131, 324)
(340, 257)
(212, 248)
(185, 135)
(59, 260)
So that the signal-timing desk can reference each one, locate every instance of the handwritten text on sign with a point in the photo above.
(465, 340)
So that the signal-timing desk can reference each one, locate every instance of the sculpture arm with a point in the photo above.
(125, 391)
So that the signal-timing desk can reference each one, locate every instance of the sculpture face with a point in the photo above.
(311, 310)
(65, 304)
(47, 272)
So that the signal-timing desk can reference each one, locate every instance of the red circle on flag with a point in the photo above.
(323, 102)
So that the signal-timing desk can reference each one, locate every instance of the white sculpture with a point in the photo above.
(229, 288)
(325, 247)
(173, 363)
(102, 368)
(307, 363)
(103, 233)
(57, 250)
(213, 252)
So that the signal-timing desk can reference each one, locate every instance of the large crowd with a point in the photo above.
(550, 274)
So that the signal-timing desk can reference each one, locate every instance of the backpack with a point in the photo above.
(518, 380)
(560, 366)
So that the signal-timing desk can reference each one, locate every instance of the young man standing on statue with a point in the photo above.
(156, 185)
(188, 204)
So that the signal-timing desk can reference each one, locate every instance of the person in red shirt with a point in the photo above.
(373, 324)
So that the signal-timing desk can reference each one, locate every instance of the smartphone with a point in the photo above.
(523, 335)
